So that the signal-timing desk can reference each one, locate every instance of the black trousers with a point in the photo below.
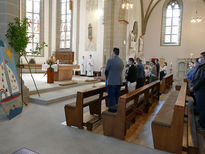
(140, 83)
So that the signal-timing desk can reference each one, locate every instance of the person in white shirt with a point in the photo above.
(90, 65)
(83, 67)
(163, 71)
(165, 68)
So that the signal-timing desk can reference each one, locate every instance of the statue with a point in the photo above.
(133, 36)
(90, 32)
(91, 45)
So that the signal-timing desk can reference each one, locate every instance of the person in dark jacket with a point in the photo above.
(131, 75)
(113, 74)
(198, 87)
(157, 66)
(153, 72)
(140, 73)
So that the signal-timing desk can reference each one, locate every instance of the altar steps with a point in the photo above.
(58, 94)
(55, 87)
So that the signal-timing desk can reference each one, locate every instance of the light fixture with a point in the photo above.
(127, 4)
(196, 19)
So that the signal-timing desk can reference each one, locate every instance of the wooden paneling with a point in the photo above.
(65, 57)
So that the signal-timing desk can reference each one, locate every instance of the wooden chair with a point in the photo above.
(114, 124)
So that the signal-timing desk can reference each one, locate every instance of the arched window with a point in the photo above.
(64, 24)
(171, 23)
(33, 12)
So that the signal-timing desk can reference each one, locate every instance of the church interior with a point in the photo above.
(54, 91)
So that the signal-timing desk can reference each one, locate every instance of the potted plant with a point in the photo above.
(18, 38)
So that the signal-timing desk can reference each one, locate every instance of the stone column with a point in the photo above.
(114, 31)
(9, 9)
(108, 29)
(120, 30)
(77, 33)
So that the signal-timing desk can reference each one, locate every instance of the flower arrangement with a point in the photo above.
(51, 61)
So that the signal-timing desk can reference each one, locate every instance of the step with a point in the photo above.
(54, 87)
(57, 95)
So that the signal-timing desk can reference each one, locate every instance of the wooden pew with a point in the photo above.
(191, 134)
(168, 125)
(166, 83)
(114, 124)
(92, 98)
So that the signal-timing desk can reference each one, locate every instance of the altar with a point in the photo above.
(62, 72)
(65, 72)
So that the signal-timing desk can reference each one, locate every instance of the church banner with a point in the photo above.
(10, 90)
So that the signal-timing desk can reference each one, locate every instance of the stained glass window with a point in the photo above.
(65, 24)
(171, 25)
(33, 17)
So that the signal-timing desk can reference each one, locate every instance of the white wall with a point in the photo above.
(97, 55)
(192, 39)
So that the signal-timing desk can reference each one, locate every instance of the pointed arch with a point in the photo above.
(171, 23)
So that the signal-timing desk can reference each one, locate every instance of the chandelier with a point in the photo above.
(127, 4)
(196, 19)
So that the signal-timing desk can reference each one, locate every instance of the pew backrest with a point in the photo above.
(114, 124)
(166, 83)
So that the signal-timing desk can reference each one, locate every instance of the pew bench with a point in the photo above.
(92, 98)
(115, 124)
(166, 83)
(168, 125)
(190, 142)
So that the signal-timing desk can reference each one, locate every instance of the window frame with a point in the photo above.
(58, 26)
(41, 30)
(163, 24)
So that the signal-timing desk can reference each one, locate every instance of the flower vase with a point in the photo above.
(50, 75)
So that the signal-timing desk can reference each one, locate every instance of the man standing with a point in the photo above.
(157, 66)
(83, 67)
(198, 87)
(140, 73)
(131, 75)
(113, 73)
(90, 64)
